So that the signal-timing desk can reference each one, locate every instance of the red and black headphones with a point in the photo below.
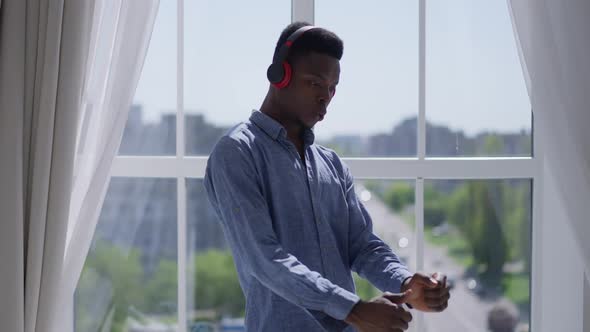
(279, 72)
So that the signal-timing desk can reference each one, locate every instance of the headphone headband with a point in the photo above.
(283, 52)
(279, 72)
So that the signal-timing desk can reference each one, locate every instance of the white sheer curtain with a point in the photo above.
(68, 72)
(555, 44)
(121, 33)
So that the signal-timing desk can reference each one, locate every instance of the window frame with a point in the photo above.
(417, 169)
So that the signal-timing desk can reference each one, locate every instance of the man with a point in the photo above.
(290, 213)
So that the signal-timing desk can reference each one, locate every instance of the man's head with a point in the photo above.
(314, 58)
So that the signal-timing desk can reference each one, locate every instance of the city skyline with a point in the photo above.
(400, 140)
(474, 81)
(148, 119)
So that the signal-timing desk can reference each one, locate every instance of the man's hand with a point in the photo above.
(382, 314)
(429, 293)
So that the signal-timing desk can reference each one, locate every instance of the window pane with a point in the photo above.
(151, 125)
(479, 233)
(374, 110)
(215, 299)
(391, 207)
(228, 47)
(476, 98)
(129, 281)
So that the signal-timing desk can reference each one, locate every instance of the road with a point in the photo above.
(466, 311)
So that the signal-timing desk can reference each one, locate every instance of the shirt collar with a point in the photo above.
(275, 130)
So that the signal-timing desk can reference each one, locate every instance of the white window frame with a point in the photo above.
(417, 169)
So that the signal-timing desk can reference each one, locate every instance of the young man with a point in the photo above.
(290, 213)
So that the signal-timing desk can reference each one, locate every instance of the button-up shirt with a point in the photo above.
(296, 229)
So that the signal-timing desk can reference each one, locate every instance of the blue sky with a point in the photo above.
(474, 81)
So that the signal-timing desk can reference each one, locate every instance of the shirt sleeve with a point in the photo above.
(371, 258)
(235, 192)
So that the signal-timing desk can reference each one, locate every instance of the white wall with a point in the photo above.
(562, 266)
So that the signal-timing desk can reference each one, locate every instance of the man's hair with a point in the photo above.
(317, 40)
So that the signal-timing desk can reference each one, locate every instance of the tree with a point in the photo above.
(86, 318)
(475, 209)
(494, 145)
(490, 248)
(121, 272)
(517, 204)
(161, 290)
(216, 283)
(399, 195)
(458, 208)
(435, 207)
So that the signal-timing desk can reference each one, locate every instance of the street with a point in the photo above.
(466, 311)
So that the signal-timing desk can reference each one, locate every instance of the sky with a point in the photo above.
(474, 81)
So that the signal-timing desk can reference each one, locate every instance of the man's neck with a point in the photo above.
(294, 130)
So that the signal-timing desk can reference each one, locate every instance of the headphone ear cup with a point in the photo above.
(275, 73)
(286, 69)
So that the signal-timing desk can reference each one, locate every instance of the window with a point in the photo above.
(431, 116)
(151, 124)
(228, 46)
(479, 233)
(130, 274)
(476, 98)
(375, 109)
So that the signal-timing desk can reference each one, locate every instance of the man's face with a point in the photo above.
(311, 88)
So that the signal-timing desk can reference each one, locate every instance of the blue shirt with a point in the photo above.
(296, 229)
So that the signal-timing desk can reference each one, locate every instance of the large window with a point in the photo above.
(476, 98)
(431, 115)
(375, 109)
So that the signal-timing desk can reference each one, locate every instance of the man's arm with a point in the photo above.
(373, 260)
(370, 257)
(234, 191)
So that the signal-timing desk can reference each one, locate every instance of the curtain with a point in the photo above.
(68, 72)
(44, 48)
(120, 38)
(554, 45)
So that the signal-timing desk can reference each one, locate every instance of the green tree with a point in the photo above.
(399, 195)
(123, 272)
(435, 206)
(490, 248)
(161, 290)
(458, 208)
(494, 145)
(473, 212)
(216, 283)
(86, 319)
(517, 207)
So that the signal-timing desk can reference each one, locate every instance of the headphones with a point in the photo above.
(279, 72)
